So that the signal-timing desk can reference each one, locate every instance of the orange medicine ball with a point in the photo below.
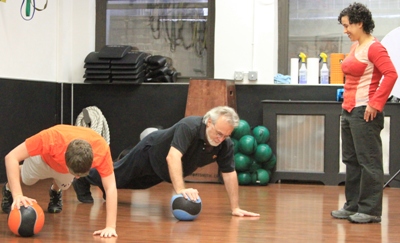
(27, 221)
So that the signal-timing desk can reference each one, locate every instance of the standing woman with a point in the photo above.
(362, 116)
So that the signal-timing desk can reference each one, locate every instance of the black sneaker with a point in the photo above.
(7, 200)
(82, 189)
(55, 204)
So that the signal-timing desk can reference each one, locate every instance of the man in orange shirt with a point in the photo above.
(62, 153)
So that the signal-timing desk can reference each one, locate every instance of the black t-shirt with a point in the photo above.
(189, 137)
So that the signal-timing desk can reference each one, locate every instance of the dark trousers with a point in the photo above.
(133, 171)
(362, 155)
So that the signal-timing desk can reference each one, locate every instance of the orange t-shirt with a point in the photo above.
(52, 143)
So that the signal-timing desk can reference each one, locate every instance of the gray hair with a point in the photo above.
(226, 111)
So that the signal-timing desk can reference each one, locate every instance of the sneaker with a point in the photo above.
(342, 213)
(55, 204)
(7, 200)
(363, 218)
(82, 189)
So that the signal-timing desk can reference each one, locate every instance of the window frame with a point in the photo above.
(283, 36)
(100, 32)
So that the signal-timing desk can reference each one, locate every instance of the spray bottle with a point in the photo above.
(324, 73)
(303, 69)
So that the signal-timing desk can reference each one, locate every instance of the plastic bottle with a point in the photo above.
(303, 69)
(324, 73)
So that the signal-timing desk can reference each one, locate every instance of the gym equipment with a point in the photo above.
(263, 153)
(261, 134)
(254, 166)
(235, 145)
(244, 178)
(114, 51)
(247, 145)
(97, 69)
(242, 129)
(391, 179)
(147, 131)
(27, 15)
(260, 177)
(115, 64)
(242, 162)
(131, 68)
(93, 117)
(143, 134)
(155, 62)
(27, 221)
(270, 164)
(185, 210)
(160, 69)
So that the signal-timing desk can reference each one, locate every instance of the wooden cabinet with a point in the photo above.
(203, 95)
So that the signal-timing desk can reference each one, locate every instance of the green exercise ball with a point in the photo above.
(235, 145)
(242, 162)
(263, 153)
(244, 178)
(254, 166)
(270, 164)
(260, 177)
(261, 134)
(242, 129)
(247, 145)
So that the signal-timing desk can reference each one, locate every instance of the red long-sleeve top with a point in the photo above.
(364, 69)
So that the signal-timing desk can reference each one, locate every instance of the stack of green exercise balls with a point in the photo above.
(254, 159)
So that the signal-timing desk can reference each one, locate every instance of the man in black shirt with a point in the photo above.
(173, 153)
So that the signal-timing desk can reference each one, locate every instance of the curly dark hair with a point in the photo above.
(358, 13)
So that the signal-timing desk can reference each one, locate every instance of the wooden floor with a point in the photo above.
(289, 213)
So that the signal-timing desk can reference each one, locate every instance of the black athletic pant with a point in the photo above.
(133, 171)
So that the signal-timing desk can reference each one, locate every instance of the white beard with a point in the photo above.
(210, 141)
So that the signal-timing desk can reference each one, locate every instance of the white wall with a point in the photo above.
(76, 38)
(53, 45)
(246, 39)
